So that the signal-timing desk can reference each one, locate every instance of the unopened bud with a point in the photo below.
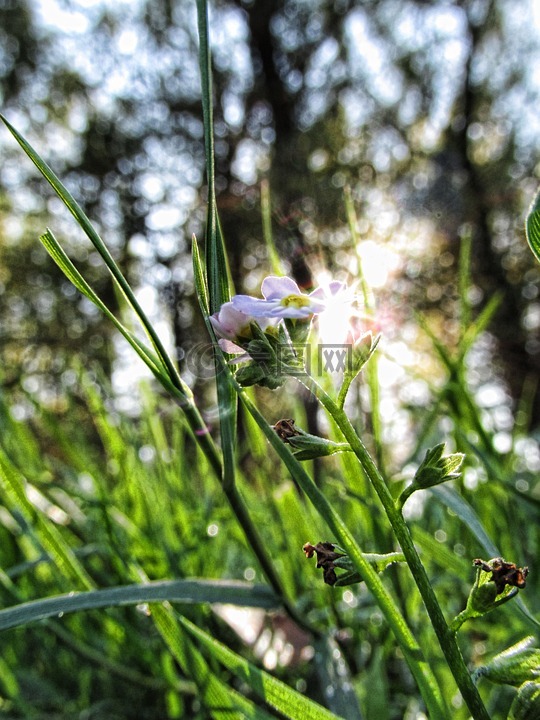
(513, 666)
(436, 468)
(526, 705)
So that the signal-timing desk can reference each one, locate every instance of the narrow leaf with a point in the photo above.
(532, 227)
(277, 694)
(81, 218)
(221, 702)
(13, 483)
(181, 591)
(59, 256)
(216, 258)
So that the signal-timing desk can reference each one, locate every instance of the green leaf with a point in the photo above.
(216, 258)
(277, 694)
(59, 256)
(449, 497)
(181, 591)
(532, 226)
(200, 281)
(222, 702)
(13, 488)
(83, 221)
(266, 214)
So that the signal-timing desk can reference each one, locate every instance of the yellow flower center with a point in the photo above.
(298, 301)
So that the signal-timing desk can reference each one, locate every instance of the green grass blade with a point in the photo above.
(277, 694)
(449, 497)
(266, 212)
(13, 483)
(371, 370)
(216, 262)
(201, 288)
(216, 258)
(472, 332)
(532, 227)
(59, 256)
(221, 702)
(181, 591)
(464, 281)
(81, 218)
(153, 361)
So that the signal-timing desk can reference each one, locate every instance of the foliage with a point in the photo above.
(201, 528)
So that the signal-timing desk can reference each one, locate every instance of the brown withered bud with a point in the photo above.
(285, 429)
(325, 559)
(503, 573)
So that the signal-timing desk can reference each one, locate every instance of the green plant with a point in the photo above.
(146, 529)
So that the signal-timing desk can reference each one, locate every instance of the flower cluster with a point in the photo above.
(269, 333)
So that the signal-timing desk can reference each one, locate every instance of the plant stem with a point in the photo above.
(406, 640)
(444, 634)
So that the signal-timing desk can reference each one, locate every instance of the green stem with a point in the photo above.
(405, 495)
(259, 549)
(458, 621)
(240, 511)
(411, 650)
(444, 634)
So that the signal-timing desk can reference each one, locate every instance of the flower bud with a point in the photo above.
(436, 468)
(513, 666)
(306, 446)
(526, 705)
(497, 581)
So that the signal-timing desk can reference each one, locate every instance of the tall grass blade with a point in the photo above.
(59, 256)
(13, 484)
(81, 218)
(221, 702)
(464, 281)
(266, 213)
(217, 270)
(532, 226)
(277, 694)
(180, 591)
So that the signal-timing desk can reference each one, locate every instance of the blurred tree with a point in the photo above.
(424, 109)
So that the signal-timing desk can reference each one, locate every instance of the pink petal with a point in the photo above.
(230, 347)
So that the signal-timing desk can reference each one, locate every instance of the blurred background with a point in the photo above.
(427, 111)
